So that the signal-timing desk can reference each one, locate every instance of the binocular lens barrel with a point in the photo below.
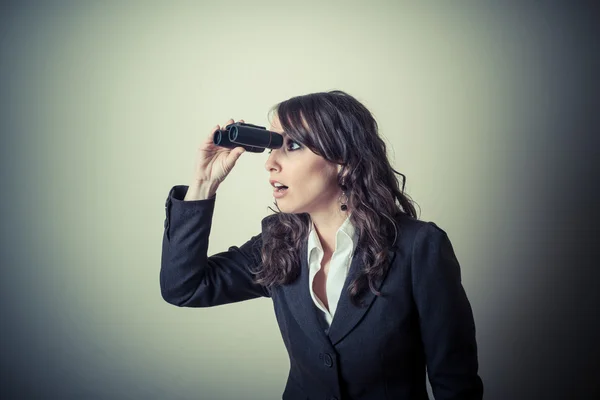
(255, 137)
(251, 137)
(218, 139)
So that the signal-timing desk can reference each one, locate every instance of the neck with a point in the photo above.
(326, 226)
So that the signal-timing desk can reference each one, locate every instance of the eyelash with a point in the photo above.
(290, 141)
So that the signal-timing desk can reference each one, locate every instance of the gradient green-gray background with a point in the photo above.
(487, 109)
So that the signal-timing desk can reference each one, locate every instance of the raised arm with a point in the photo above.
(188, 277)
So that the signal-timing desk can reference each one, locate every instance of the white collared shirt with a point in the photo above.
(346, 240)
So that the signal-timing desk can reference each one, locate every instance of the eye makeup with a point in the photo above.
(290, 145)
(293, 142)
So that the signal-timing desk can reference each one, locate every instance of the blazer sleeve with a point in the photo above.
(188, 277)
(445, 317)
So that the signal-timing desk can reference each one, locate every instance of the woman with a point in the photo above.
(366, 296)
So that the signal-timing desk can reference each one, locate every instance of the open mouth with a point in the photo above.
(278, 186)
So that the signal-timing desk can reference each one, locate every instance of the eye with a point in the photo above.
(290, 148)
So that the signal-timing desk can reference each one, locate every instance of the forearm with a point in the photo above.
(188, 277)
(185, 245)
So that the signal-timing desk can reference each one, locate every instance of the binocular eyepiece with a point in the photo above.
(253, 138)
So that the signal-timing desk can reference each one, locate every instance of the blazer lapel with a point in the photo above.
(300, 302)
(347, 315)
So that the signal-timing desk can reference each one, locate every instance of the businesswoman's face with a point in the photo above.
(310, 179)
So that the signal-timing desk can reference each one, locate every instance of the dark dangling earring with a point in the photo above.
(344, 197)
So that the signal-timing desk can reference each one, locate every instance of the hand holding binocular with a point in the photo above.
(253, 138)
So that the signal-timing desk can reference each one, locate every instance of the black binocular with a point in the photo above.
(253, 138)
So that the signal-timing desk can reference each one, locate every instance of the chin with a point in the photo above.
(286, 209)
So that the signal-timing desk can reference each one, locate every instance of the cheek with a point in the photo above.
(319, 179)
(312, 175)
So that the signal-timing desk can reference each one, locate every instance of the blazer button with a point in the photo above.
(327, 360)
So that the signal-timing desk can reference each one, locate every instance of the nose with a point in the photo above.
(272, 163)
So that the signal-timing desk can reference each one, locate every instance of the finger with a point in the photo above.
(233, 156)
(228, 122)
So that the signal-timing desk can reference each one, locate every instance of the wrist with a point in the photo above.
(201, 190)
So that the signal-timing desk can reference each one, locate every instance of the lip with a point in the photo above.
(272, 182)
(277, 194)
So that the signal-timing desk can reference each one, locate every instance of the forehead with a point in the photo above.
(275, 122)
(276, 126)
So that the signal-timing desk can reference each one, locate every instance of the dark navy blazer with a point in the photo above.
(422, 319)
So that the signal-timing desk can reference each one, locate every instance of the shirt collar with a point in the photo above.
(345, 236)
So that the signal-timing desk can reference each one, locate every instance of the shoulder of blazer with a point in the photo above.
(269, 219)
(407, 229)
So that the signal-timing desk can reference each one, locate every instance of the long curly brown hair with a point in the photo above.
(348, 136)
